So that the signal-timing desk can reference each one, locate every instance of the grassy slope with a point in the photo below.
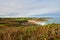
(48, 32)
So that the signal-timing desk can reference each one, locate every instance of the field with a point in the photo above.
(12, 29)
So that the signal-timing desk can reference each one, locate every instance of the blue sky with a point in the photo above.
(24, 8)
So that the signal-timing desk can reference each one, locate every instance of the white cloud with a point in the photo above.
(23, 8)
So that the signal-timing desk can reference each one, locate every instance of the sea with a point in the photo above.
(53, 20)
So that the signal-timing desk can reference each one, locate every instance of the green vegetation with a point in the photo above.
(9, 31)
(49, 32)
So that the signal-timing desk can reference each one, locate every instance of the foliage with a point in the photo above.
(11, 29)
(51, 32)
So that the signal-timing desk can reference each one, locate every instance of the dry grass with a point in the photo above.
(49, 32)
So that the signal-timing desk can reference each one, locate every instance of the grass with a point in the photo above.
(33, 32)
(48, 32)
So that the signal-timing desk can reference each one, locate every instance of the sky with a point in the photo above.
(25, 8)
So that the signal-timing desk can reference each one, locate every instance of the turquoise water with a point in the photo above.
(50, 21)
(54, 20)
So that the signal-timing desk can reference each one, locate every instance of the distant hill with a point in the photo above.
(49, 15)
